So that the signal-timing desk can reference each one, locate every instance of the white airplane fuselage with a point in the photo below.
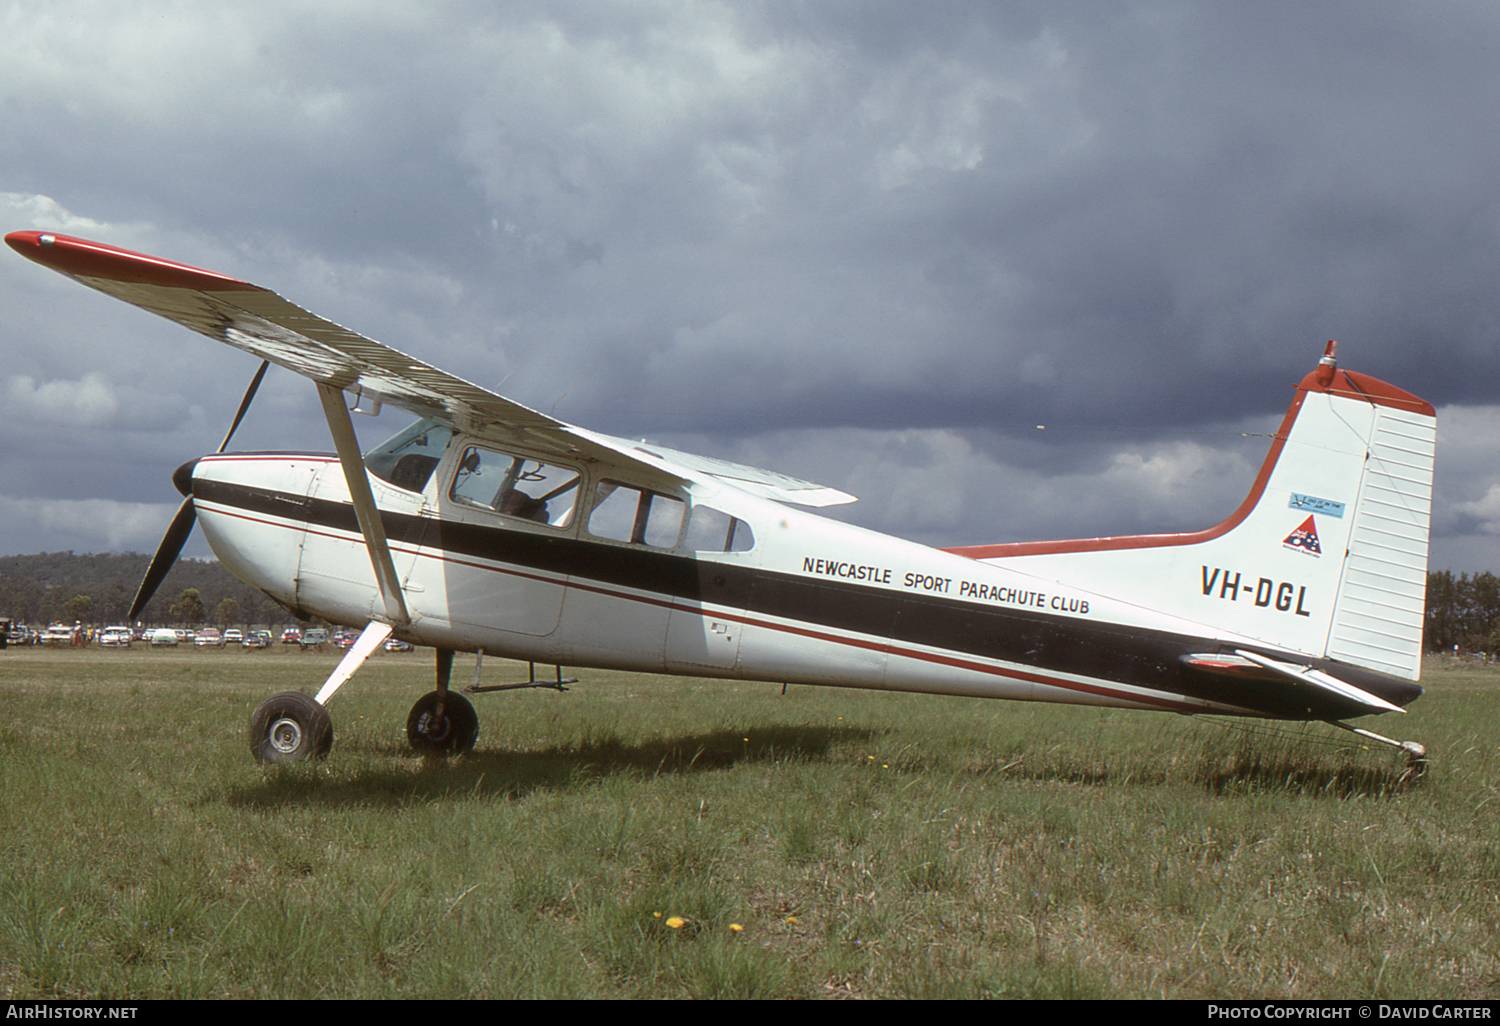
(810, 601)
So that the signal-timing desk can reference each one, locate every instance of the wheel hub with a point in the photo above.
(286, 735)
(434, 727)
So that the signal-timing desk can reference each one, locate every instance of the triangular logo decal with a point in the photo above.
(1305, 538)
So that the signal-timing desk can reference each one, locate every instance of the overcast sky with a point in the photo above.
(875, 245)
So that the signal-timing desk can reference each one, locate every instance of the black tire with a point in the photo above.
(290, 727)
(453, 733)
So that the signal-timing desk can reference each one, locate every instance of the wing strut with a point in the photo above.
(342, 429)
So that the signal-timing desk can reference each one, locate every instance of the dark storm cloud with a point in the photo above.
(859, 242)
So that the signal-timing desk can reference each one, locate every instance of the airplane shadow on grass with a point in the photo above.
(1310, 776)
(393, 776)
(1221, 772)
(502, 773)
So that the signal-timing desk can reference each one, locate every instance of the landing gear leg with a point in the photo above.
(291, 726)
(442, 722)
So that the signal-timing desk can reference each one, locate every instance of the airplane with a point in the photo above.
(492, 528)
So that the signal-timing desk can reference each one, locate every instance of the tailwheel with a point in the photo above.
(452, 731)
(290, 727)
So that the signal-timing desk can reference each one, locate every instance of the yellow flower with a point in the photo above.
(736, 927)
(792, 920)
(676, 922)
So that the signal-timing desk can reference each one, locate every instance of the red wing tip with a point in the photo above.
(85, 259)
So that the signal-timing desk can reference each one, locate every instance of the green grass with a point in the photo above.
(868, 845)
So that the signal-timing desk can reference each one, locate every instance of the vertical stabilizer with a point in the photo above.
(1327, 555)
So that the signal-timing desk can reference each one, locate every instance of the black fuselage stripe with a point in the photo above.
(1155, 699)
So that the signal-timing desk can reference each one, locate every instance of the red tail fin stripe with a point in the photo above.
(1348, 384)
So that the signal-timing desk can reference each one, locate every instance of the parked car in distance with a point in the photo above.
(163, 636)
(208, 637)
(291, 636)
(257, 639)
(316, 636)
(397, 645)
(233, 636)
(115, 637)
(58, 634)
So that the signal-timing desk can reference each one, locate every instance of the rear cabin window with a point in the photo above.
(623, 513)
(712, 530)
(516, 486)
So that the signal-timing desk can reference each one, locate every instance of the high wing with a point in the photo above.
(264, 324)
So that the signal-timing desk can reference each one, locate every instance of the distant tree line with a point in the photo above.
(1462, 611)
(97, 589)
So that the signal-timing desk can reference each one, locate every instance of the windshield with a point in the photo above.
(408, 458)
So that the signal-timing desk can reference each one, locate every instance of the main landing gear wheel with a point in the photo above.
(452, 733)
(290, 727)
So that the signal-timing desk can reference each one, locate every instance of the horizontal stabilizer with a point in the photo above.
(1301, 674)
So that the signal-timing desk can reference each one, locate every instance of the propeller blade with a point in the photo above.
(245, 403)
(166, 554)
(186, 516)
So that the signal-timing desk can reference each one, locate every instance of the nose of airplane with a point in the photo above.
(182, 477)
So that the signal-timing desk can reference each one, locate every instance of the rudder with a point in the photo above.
(1378, 618)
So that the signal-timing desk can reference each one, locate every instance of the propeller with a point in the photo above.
(182, 522)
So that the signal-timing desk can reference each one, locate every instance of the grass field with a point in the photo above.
(664, 837)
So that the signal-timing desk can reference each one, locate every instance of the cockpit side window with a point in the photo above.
(408, 458)
(623, 513)
(516, 486)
